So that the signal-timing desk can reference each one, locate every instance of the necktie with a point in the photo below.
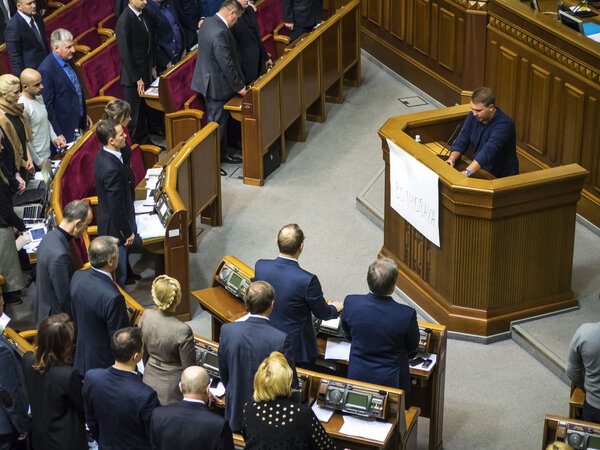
(36, 31)
(73, 77)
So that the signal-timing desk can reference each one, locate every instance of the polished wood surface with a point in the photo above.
(576, 402)
(311, 71)
(500, 258)
(555, 428)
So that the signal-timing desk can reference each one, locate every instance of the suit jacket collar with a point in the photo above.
(192, 405)
(61, 73)
(102, 277)
(112, 159)
(124, 374)
(264, 321)
(380, 298)
(289, 262)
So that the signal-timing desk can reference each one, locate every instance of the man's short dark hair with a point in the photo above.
(125, 343)
(233, 5)
(105, 130)
(382, 276)
(289, 239)
(259, 297)
(102, 249)
(76, 210)
(483, 95)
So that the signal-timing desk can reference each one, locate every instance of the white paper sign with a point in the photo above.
(414, 193)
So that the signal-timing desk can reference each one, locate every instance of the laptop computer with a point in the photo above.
(30, 204)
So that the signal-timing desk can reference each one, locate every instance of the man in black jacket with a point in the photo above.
(25, 37)
(252, 51)
(116, 214)
(188, 423)
(138, 63)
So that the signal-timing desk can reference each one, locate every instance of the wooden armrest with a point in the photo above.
(2, 280)
(104, 34)
(54, 5)
(96, 106)
(109, 84)
(87, 265)
(28, 335)
(152, 149)
(92, 201)
(189, 101)
(235, 104)
(81, 51)
(93, 230)
(285, 40)
(409, 438)
(577, 398)
(238, 441)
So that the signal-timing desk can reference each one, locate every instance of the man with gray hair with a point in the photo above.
(383, 332)
(55, 262)
(63, 94)
(189, 422)
(98, 306)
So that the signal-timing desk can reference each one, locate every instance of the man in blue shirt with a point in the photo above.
(491, 133)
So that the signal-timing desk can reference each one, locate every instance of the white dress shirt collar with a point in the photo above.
(137, 13)
(103, 273)
(192, 400)
(113, 152)
(224, 21)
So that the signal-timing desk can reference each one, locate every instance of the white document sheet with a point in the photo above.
(337, 349)
(149, 225)
(151, 182)
(141, 367)
(414, 192)
(143, 206)
(153, 172)
(431, 356)
(322, 414)
(365, 428)
(4, 319)
(218, 391)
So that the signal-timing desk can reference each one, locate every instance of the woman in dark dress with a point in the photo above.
(273, 421)
(54, 388)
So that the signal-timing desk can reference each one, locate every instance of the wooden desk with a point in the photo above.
(499, 259)
(576, 402)
(427, 394)
(313, 70)
(555, 429)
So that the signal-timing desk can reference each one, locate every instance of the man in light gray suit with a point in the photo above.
(55, 265)
(218, 74)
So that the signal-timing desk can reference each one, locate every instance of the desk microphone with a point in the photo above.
(444, 148)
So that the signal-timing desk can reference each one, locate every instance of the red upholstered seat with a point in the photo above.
(98, 69)
(137, 164)
(270, 47)
(109, 22)
(78, 180)
(89, 38)
(73, 18)
(98, 10)
(114, 90)
(5, 64)
(178, 84)
(269, 15)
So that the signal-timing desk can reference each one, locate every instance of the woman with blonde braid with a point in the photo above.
(168, 342)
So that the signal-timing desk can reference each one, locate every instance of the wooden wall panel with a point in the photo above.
(423, 29)
(507, 79)
(447, 43)
(571, 124)
(398, 18)
(375, 12)
(536, 108)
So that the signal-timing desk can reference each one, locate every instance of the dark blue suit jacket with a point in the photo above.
(14, 392)
(116, 213)
(383, 333)
(24, 48)
(494, 143)
(242, 347)
(61, 99)
(297, 294)
(187, 425)
(98, 311)
(118, 408)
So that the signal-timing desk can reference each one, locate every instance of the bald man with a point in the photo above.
(189, 424)
(44, 137)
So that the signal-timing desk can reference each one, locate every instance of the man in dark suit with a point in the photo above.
(55, 265)
(63, 94)
(98, 306)
(14, 422)
(7, 9)
(244, 345)
(298, 294)
(252, 51)
(189, 423)
(168, 34)
(301, 16)
(25, 37)
(383, 332)
(116, 214)
(218, 74)
(118, 406)
(189, 13)
(134, 32)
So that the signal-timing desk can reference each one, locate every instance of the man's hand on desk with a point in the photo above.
(243, 91)
(129, 240)
(338, 305)
(140, 87)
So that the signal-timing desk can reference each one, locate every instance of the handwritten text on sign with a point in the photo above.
(414, 193)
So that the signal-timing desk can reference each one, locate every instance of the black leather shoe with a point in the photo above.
(231, 159)
(223, 173)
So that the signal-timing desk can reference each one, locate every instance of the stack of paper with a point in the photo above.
(338, 349)
(322, 414)
(149, 226)
(365, 428)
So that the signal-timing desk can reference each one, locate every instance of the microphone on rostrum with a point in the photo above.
(448, 145)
